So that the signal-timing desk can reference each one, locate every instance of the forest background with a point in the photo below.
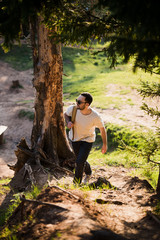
(127, 147)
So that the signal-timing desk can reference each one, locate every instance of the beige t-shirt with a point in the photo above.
(84, 126)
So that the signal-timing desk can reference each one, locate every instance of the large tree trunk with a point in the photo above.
(49, 129)
(48, 139)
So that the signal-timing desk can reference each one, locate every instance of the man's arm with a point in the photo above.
(104, 139)
(68, 121)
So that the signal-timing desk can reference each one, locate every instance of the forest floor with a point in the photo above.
(107, 213)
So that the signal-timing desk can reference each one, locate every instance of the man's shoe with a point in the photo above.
(86, 179)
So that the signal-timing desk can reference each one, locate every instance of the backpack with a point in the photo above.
(74, 111)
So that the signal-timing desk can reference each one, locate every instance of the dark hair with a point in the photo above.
(88, 97)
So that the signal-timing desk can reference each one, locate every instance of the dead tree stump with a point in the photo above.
(15, 84)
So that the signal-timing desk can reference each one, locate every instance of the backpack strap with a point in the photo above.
(74, 111)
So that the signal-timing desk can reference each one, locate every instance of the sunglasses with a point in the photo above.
(79, 101)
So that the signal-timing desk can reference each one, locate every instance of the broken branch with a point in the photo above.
(23, 199)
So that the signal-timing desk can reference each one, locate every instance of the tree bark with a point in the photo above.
(48, 131)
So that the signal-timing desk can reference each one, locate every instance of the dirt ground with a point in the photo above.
(116, 213)
(120, 212)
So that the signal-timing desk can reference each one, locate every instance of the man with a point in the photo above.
(84, 126)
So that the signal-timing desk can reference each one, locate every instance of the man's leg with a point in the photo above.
(87, 168)
(82, 150)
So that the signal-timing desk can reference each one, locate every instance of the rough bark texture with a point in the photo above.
(49, 129)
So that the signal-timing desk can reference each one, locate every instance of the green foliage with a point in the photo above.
(130, 29)
(15, 15)
(35, 191)
(150, 90)
(5, 214)
(153, 112)
(142, 144)
(151, 146)
(9, 234)
(157, 209)
(130, 149)
(4, 181)
(121, 136)
(4, 189)
(26, 114)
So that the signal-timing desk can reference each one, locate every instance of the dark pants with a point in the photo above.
(81, 150)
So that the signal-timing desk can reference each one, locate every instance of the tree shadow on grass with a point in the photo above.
(70, 54)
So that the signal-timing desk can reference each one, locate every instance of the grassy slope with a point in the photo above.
(85, 71)
(88, 72)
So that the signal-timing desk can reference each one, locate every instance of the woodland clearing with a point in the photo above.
(104, 213)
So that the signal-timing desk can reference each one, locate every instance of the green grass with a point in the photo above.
(4, 181)
(87, 72)
(126, 148)
(26, 114)
(6, 213)
(4, 188)
(8, 233)
(19, 57)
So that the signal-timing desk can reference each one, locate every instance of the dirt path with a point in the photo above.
(11, 102)
(117, 213)
(129, 114)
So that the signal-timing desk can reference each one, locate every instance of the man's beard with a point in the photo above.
(80, 108)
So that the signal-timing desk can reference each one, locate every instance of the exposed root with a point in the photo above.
(28, 169)
(31, 164)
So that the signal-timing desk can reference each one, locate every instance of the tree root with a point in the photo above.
(31, 167)
(28, 169)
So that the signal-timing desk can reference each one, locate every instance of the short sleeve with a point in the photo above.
(99, 122)
(69, 110)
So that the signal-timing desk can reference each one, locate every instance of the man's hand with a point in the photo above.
(68, 121)
(104, 148)
(104, 139)
(70, 124)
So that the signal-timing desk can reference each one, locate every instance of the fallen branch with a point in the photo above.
(23, 199)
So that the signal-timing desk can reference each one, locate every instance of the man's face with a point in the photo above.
(81, 103)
